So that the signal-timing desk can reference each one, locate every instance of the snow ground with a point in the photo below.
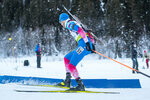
(8, 93)
(90, 68)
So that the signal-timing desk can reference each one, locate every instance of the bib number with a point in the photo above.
(79, 50)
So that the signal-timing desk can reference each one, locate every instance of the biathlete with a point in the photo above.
(85, 46)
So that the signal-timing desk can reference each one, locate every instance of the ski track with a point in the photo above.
(90, 68)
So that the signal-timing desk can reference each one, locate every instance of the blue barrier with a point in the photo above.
(89, 83)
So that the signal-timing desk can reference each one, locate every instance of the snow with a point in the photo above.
(126, 94)
(91, 67)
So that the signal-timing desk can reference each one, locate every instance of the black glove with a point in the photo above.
(93, 48)
(88, 46)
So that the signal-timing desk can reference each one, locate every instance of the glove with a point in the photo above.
(93, 48)
(88, 46)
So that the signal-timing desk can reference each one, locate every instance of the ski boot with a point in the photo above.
(133, 71)
(66, 82)
(80, 86)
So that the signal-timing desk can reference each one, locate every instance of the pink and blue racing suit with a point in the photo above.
(73, 58)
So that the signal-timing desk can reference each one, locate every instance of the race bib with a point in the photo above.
(79, 50)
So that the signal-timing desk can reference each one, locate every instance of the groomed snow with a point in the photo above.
(90, 68)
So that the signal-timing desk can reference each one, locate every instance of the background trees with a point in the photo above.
(116, 22)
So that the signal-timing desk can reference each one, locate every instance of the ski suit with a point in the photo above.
(73, 58)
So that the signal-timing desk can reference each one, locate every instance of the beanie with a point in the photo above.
(63, 17)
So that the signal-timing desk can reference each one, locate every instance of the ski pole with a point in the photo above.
(122, 64)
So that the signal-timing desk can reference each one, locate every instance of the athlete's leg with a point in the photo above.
(67, 81)
(67, 60)
(77, 56)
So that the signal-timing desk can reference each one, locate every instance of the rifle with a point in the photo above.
(83, 26)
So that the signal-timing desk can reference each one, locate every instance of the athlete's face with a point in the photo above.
(63, 23)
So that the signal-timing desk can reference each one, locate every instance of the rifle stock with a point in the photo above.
(83, 26)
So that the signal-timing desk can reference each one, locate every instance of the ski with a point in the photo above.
(62, 91)
(83, 26)
(65, 91)
(48, 86)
